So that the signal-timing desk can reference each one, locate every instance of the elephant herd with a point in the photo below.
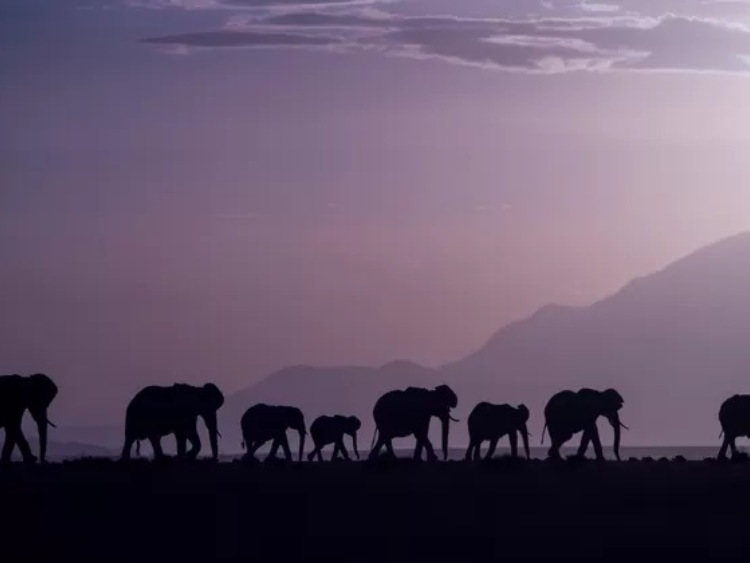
(158, 411)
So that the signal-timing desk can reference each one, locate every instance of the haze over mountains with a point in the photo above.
(691, 319)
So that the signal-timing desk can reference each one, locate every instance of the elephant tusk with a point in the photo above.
(453, 419)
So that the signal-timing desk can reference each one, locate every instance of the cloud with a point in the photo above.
(600, 40)
(230, 38)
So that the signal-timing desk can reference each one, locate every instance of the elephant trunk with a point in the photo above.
(525, 438)
(42, 426)
(354, 443)
(302, 434)
(213, 433)
(446, 424)
(40, 417)
(614, 420)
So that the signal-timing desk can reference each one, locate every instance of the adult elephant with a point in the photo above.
(569, 412)
(734, 417)
(157, 411)
(331, 430)
(262, 423)
(18, 394)
(405, 412)
(491, 422)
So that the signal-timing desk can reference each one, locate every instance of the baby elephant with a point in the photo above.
(492, 422)
(330, 430)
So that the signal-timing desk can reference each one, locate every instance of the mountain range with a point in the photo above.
(675, 344)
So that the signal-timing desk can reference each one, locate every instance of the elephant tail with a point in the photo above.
(243, 444)
(137, 447)
(543, 431)
(374, 435)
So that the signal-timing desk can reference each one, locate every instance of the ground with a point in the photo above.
(374, 511)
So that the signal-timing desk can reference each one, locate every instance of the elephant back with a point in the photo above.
(734, 413)
(11, 387)
(255, 415)
(401, 402)
(488, 418)
(560, 405)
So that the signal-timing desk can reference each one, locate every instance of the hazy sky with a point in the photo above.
(205, 190)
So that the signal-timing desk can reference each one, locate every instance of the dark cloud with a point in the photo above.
(605, 42)
(241, 39)
(267, 3)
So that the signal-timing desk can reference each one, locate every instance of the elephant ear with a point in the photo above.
(447, 397)
(42, 390)
(354, 423)
(612, 399)
(523, 412)
(212, 397)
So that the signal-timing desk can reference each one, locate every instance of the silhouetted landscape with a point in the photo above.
(372, 511)
(383, 280)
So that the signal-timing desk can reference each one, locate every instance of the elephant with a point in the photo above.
(569, 412)
(331, 430)
(263, 422)
(406, 412)
(157, 411)
(34, 393)
(734, 416)
(491, 422)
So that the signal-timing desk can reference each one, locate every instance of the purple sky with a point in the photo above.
(195, 190)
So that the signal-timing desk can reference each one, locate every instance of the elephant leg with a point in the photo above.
(491, 449)
(336, 450)
(418, 449)
(725, 444)
(389, 447)
(513, 439)
(285, 447)
(10, 443)
(428, 446)
(342, 448)
(252, 447)
(156, 446)
(597, 443)
(733, 447)
(195, 442)
(312, 454)
(14, 437)
(125, 455)
(585, 439)
(179, 438)
(478, 450)
(470, 450)
(558, 439)
(375, 451)
(274, 448)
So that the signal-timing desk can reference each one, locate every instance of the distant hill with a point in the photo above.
(675, 343)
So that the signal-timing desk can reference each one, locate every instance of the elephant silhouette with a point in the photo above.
(156, 411)
(734, 417)
(406, 412)
(569, 412)
(263, 422)
(491, 422)
(18, 394)
(331, 430)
